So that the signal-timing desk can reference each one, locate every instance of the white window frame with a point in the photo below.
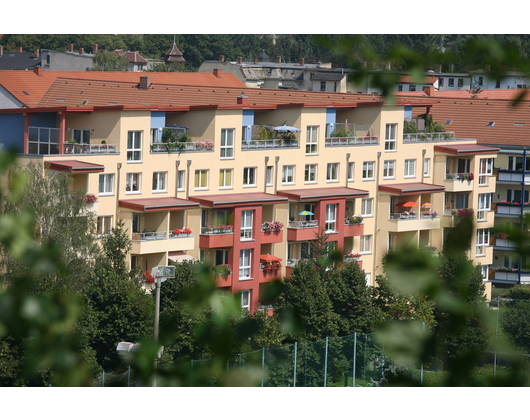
(227, 143)
(310, 175)
(245, 264)
(223, 183)
(107, 182)
(483, 239)
(249, 176)
(484, 205)
(130, 179)
(390, 137)
(367, 207)
(485, 171)
(288, 174)
(134, 146)
(268, 176)
(365, 244)
(389, 169)
(331, 218)
(368, 278)
(351, 171)
(181, 179)
(245, 300)
(332, 172)
(311, 145)
(409, 168)
(104, 226)
(368, 170)
(246, 225)
(427, 167)
(160, 179)
(83, 134)
(200, 176)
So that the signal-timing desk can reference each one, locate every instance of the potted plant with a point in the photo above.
(147, 277)
(352, 256)
(90, 198)
(273, 226)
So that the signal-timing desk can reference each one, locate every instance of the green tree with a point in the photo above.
(108, 61)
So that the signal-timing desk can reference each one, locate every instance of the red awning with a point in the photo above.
(179, 256)
(158, 204)
(74, 166)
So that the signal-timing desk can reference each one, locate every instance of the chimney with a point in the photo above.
(94, 48)
(38, 71)
(278, 58)
(70, 47)
(217, 72)
(242, 99)
(239, 60)
(301, 61)
(19, 49)
(81, 50)
(255, 60)
(429, 90)
(451, 68)
(145, 82)
(221, 58)
(438, 68)
(36, 54)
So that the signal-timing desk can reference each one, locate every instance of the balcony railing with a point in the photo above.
(429, 137)
(269, 144)
(189, 146)
(460, 176)
(84, 149)
(214, 230)
(401, 216)
(297, 224)
(351, 141)
(149, 236)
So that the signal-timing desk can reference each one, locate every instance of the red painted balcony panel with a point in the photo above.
(265, 276)
(353, 230)
(224, 281)
(303, 234)
(272, 237)
(216, 241)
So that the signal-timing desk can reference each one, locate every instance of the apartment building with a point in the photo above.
(260, 173)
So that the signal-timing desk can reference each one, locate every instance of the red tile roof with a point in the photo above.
(322, 193)
(131, 56)
(469, 117)
(427, 80)
(18, 81)
(411, 188)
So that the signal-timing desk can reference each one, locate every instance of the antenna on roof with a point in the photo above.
(174, 40)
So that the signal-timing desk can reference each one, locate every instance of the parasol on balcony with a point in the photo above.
(407, 204)
(286, 129)
(427, 205)
(269, 258)
(305, 213)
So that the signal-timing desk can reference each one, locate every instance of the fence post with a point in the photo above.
(496, 332)
(295, 355)
(354, 356)
(326, 364)
(129, 377)
(262, 364)
(103, 379)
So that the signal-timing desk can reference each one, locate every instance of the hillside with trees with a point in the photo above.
(313, 48)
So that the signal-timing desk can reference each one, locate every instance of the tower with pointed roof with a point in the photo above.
(174, 55)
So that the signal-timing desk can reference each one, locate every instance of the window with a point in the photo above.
(390, 137)
(331, 218)
(441, 82)
(43, 141)
(201, 179)
(490, 124)
(389, 169)
(333, 172)
(410, 168)
(106, 184)
(498, 84)
(367, 206)
(159, 181)
(180, 180)
(351, 170)
(514, 196)
(412, 88)
(485, 171)
(400, 88)
(484, 204)
(322, 86)
(134, 146)
(368, 278)
(515, 163)
(104, 225)
(368, 171)
(225, 178)
(483, 239)
(366, 244)
(310, 174)
(481, 81)
(227, 143)
(484, 271)
(268, 175)
(245, 300)
(221, 256)
(245, 264)
(451, 82)
(461, 82)
(311, 145)
(249, 177)
(246, 224)
(81, 136)
(154, 135)
(288, 174)
(426, 167)
(462, 201)
(132, 182)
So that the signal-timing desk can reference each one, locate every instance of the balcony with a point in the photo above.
(503, 244)
(403, 222)
(302, 230)
(458, 182)
(181, 147)
(509, 209)
(508, 275)
(271, 237)
(149, 242)
(351, 141)
(345, 134)
(512, 177)
(353, 229)
(265, 137)
(89, 149)
(428, 137)
(216, 237)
